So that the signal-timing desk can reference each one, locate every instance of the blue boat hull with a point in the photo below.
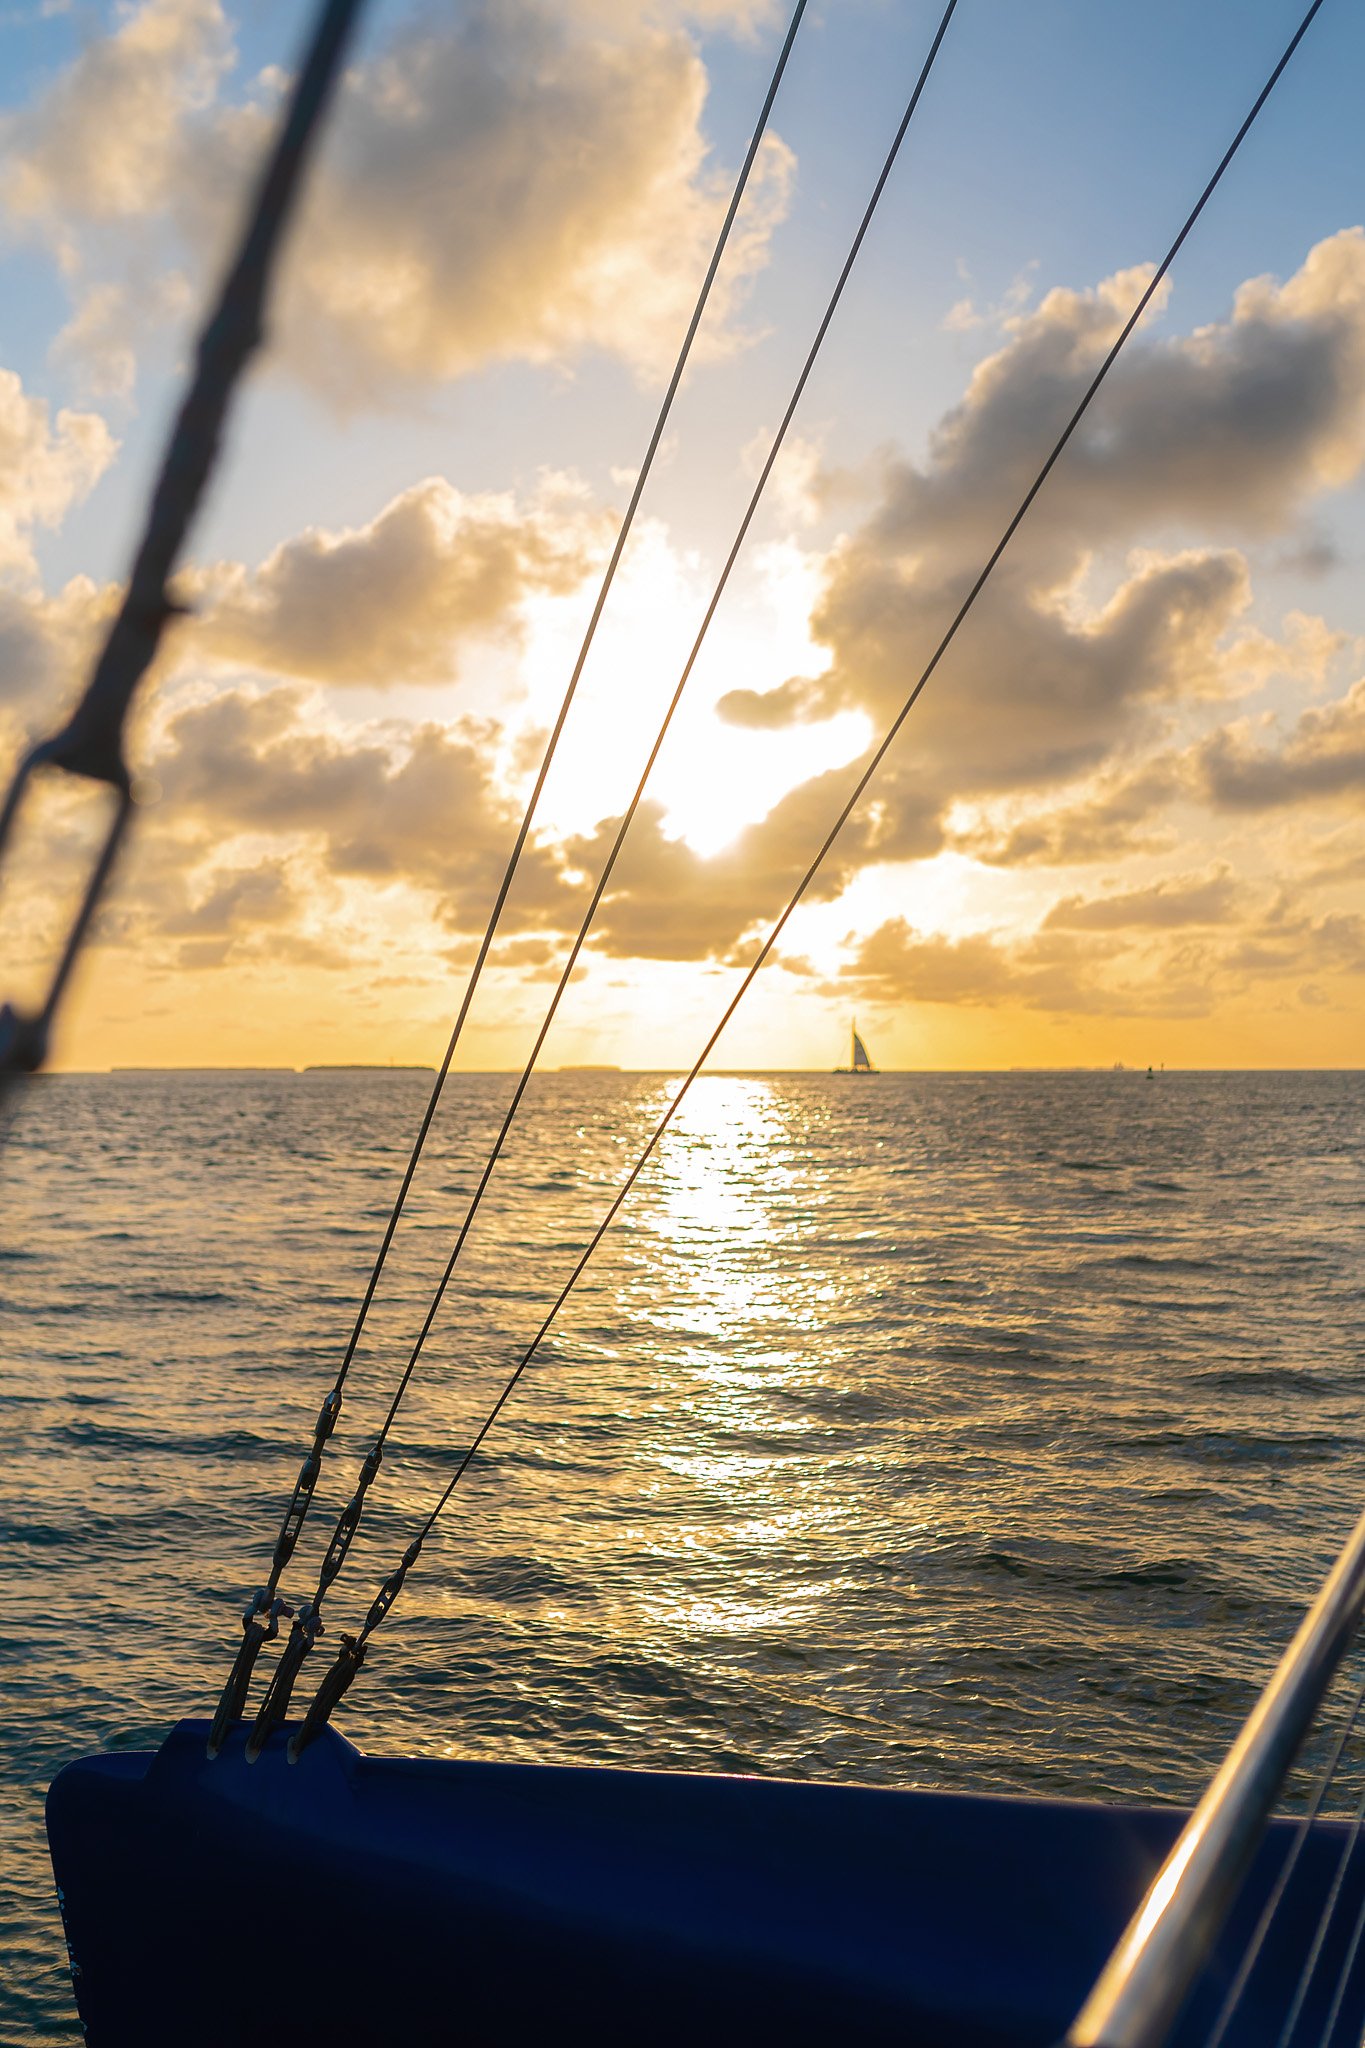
(353, 1899)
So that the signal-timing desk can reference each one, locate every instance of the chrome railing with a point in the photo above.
(1147, 1979)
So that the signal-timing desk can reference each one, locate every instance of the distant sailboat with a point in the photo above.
(861, 1064)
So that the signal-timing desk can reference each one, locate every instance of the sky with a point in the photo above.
(1126, 820)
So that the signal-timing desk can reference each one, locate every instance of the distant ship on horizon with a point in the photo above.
(859, 1061)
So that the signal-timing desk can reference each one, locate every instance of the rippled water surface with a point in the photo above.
(933, 1429)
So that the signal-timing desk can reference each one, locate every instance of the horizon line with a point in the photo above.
(600, 1070)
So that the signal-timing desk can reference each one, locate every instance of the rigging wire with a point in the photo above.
(1251, 1954)
(1326, 1915)
(352, 1654)
(90, 745)
(261, 1620)
(275, 1706)
(1348, 1963)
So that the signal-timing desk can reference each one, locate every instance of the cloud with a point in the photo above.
(1116, 813)
(1190, 900)
(501, 182)
(416, 806)
(798, 485)
(1034, 694)
(964, 316)
(397, 600)
(668, 902)
(243, 896)
(98, 342)
(47, 645)
(282, 839)
(109, 133)
(1084, 646)
(234, 914)
(1321, 760)
(45, 467)
(768, 710)
(1236, 424)
(1141, 967)
(1064, 729)
(510, 186)
(186, 902)
(897, 963)
(1290, 941)
(1337, 857)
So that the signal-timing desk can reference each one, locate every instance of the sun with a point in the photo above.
(712, 778)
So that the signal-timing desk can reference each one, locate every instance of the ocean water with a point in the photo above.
(929, 1430)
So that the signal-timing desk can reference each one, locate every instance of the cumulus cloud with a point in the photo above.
(1034, 694)
(1138, 965)
(220, 914)
(410, 805)
(98, 343)
(1116, 812)
(509, 185)
(397, 600)
(108, 136)
(504, 181)
(1045, 735)
(46, 467)
(1236, 424)
(47, 644)
(283, 839)
(666, 901)
(1178, 900)
(1291, 941)
(1058, 734)
(898, 963)
(1322, 759)
(251, 896)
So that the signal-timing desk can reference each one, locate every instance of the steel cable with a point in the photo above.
(1326, 1915)
(91, 743)
(1348, 1963)
(262, 1616)
(347, 1524)
(1251, 1954)
(347, 1664)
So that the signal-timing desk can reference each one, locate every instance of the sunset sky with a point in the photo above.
(1126, 821)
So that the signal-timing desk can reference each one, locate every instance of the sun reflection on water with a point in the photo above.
(902, 1433)
(729, 1314)
(724, 1215)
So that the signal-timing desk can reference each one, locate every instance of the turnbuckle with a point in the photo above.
(348, 1521)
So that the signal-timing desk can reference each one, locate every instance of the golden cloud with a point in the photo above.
(505, 181)
(46, 467)
(106, 141)
(1321, 760)
(397, 600)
